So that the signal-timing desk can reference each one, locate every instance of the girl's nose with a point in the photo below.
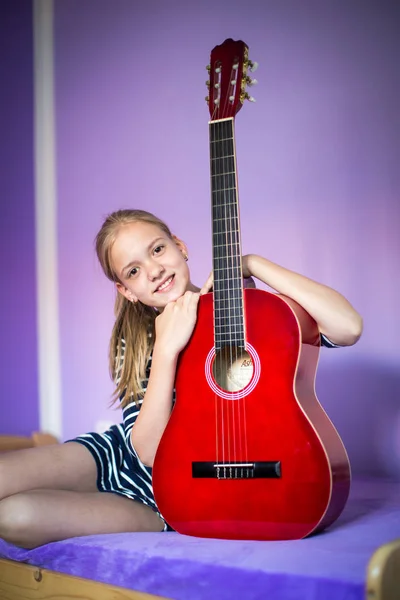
(155, 270)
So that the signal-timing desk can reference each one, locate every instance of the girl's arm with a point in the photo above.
(174, 326)
(335, 316)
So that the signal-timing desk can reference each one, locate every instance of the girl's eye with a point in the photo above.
(158, 249)
(133, 272)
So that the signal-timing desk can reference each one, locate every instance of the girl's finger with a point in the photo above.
(208, 284)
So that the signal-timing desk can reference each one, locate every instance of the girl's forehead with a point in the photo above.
(132, 240)
(137, 235)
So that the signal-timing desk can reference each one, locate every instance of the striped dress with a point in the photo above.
(119, 468)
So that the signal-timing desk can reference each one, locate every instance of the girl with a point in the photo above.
(54, 492)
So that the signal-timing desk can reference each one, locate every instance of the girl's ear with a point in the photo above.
(125, 292)
(181, 245)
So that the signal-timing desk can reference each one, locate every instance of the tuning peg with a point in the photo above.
(250, 81)
(208, 67)
(249, 98)
(208, 83)
(253, 66)
(207, 99)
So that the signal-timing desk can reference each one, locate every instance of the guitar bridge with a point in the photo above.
(237, 470)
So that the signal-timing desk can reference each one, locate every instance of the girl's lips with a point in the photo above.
(168, 286)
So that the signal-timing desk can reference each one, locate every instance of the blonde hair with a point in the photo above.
(132, 337)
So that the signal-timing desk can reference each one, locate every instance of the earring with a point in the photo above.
(185, 256)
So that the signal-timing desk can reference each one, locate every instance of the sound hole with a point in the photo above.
(232, 368)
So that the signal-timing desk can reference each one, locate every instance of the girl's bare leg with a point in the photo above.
(59, 466)
(30, 519)
(50, 493)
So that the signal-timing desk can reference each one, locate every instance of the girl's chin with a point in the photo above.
(167, 298)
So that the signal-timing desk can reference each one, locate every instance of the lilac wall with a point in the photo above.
(18, 373)
(318, 164)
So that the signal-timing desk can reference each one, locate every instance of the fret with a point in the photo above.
(224, 199)
(233, 269)
(223, 157)
(224, 246)
(229, 240)
(228, 328)
(225, 269)
(233, 304)
(231, 289)
(223, 303)
(226, 257)
(230, 279)
(234, 327)
(232, 282)
(221, 149)
(224, 181)
(219, 213)
(221, 128)
(235, 318)
(233, 265)
(224, 328)
(219, 166)
(231, 220)
(224, 173)
(230, 138)
(227, 231)
(228, 189)
(237, 341)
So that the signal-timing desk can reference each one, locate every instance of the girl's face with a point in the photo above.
(150, 266)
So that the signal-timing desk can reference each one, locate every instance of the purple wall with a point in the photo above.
(319, 180)
(18, 373)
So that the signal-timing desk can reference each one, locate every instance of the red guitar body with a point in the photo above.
(285, 424)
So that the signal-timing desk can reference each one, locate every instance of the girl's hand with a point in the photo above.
(247, 274)
(174, 326)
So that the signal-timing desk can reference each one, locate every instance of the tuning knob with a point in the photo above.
(208, 67)
(253, 66)
(250, 81)
(249, 98)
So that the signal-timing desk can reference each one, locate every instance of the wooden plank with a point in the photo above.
(19, 442)
(383, 573)
(14, 442)
(19, 581)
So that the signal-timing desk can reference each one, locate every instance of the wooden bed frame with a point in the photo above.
(19, 581)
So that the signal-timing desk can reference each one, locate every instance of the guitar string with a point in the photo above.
(230, 275)
(237, 305)
(234, 321)
(229, 282)
(218, 404)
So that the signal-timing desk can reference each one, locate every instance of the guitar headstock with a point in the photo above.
(228, 70)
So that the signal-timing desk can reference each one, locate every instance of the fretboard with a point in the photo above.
(227, 261)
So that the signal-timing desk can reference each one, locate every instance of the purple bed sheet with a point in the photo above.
(328, 566)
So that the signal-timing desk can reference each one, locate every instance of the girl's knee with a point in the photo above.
(16, 518)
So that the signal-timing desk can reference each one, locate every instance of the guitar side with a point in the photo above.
(280, 422)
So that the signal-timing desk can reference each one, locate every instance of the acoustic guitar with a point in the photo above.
(248, 452)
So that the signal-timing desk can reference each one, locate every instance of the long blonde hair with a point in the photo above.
(132, 337)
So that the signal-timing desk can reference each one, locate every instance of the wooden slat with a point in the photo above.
(19, 442)
(14, 442)
(383, 573)
(25, 582)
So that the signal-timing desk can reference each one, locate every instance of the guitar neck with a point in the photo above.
(227, 255)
